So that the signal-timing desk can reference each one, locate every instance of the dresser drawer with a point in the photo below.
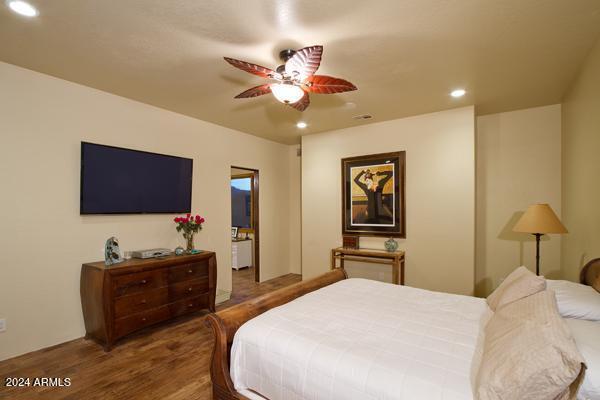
(137, 282)
(126, 325)
(189, 305)
(185, 289)
(188, 272)
(134, 303)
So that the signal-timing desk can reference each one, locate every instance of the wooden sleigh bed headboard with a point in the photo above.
(590, 274)
(225, 324)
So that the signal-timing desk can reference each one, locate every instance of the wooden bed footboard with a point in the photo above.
(225, 324)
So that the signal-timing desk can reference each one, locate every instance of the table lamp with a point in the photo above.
(539, 219)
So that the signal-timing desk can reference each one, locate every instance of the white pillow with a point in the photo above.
(576, 300)
(586, 334)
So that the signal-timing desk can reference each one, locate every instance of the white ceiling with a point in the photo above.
(405, 56)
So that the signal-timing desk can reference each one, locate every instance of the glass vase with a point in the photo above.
(391, 245)
(190, 242)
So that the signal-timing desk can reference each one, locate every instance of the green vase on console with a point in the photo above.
(391, 245)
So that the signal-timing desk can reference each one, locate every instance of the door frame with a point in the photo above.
(255, 219)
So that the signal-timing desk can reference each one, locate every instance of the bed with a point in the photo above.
(347, 338)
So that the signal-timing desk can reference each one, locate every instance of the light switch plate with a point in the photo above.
(2, 325)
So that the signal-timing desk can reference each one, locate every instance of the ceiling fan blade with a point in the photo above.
(304, 63)
(301, 104)
(253, 68)
(323, 84)
(255, 91)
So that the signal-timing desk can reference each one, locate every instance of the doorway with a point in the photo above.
(245, 229)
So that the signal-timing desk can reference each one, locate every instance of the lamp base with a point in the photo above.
(537, 252)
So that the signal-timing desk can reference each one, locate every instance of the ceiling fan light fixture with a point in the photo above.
(295, 79)
(286, 92)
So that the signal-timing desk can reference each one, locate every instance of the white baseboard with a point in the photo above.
(222, 296)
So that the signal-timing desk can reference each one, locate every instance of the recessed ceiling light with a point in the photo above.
(301, 124)
(458, 93)
(22, 8)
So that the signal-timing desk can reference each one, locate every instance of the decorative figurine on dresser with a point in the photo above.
(129, 296)
(112, 253)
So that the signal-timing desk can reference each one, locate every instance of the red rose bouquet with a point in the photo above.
(189, 225)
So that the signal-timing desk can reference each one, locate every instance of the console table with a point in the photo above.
(123, 298)
(395, 259)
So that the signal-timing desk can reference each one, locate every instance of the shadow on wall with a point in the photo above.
(582, 261)
(519, 238)
(486, 286)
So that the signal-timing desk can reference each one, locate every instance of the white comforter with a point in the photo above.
(361, 339)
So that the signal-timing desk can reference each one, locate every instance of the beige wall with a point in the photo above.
(295, 189)
(239, 171)
(43, 238)
(581, 168)
(440, 195)
(518, 164)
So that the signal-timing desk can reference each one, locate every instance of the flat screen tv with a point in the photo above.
(115, 180)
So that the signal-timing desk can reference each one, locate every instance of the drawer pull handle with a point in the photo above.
(143, 301)
(143, 281)
(144, 319)
(189, 289)
(190, 305)
(190, 271)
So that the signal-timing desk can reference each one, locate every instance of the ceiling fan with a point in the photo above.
(295, 79)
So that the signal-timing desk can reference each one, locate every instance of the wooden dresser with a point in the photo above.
(126, 297)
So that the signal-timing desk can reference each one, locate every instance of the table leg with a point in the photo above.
(395, 268)
(402, 271)
(332, 262)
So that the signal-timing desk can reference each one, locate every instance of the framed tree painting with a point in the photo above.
(373, 201)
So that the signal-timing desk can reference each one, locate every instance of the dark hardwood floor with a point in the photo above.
(168, 362)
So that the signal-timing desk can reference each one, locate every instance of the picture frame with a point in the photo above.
(234, 232)
(373, 195)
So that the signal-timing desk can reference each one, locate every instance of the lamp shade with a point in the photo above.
(539, 218)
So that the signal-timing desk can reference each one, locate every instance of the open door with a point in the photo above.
(245, 219)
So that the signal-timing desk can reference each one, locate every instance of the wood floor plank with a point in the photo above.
(169, 362)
